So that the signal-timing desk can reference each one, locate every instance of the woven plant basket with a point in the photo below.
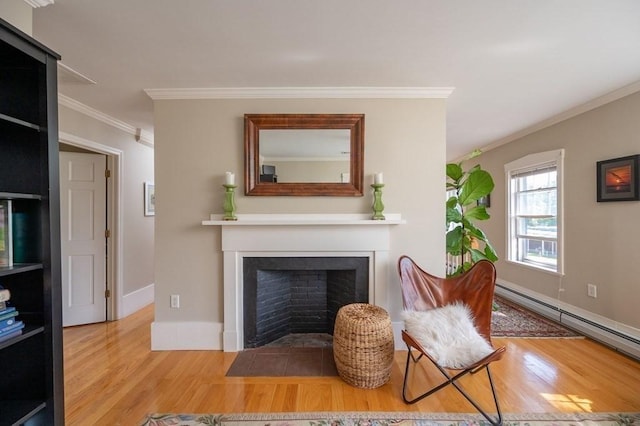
(363, 345)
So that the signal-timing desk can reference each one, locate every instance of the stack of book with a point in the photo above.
(10, 326)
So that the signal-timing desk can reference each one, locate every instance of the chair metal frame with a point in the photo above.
(475, 288)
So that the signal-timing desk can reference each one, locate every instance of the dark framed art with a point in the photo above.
(618, 179)
(484, 201)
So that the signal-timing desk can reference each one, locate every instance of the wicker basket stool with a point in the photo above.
(363, 345)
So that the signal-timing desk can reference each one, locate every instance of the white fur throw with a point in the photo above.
(448, 335)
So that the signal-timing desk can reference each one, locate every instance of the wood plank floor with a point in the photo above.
(112, 378)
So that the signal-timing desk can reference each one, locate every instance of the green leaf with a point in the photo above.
(454, 241)
(454, 171)
(473, 169)
(489, 252)
(454, 215)
(452, 202)
(478, 184)
(477, 213)
(477, 255)
(477, 233)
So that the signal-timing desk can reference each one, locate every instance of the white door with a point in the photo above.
(83, 220)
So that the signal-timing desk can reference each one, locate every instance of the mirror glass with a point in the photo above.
(311, 155)
(304, 154)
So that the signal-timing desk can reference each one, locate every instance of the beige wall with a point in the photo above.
(601, 239)
(198, 140)
(137, 230)
(18, 13)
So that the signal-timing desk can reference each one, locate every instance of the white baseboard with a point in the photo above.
(168, 336)
(619, 336)
(399, 344)
(137, 300)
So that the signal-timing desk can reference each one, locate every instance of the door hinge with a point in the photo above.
(107, 294)
(107, 173)
(107, 233)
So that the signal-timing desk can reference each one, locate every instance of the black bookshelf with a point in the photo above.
(32, 384)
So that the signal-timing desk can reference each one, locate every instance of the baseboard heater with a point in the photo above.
(621, 342)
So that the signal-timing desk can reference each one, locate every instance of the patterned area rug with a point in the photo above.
(388, 419)
(511, 320)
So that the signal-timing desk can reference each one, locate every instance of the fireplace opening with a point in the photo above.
(297, 295)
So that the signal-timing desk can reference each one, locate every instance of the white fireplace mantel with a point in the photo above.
(304, 219)
(299, 235)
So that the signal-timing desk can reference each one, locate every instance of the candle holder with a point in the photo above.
(378, 207)
(229, 205)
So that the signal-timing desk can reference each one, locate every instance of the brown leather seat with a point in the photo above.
(422, 291)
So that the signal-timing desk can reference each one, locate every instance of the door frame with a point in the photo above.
(115, 158)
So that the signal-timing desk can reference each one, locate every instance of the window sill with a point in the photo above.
(536, 268)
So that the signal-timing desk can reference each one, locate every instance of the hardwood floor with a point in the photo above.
(113, 378)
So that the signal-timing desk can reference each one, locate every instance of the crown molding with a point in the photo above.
(141, 136)
(38, 3)
(565, 115)
(301, 93)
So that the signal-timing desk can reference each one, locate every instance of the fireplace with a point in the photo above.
(300, 236)
(285, 295)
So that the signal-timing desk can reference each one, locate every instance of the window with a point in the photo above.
(534, 210)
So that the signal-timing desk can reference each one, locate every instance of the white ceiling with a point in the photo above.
(513, 63)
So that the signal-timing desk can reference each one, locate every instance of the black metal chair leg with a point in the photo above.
(495, 421)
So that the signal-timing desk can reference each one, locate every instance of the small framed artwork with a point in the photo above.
(149, 199)
(484, 201)
(618, 179)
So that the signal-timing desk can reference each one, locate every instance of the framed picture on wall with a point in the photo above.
(618, 179)
(149, 199)
(484, 201)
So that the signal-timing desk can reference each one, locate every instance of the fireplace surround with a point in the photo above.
(299, 235)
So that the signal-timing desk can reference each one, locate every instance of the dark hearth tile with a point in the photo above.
(272, 350)
(305, 363)
(242, 364)
(328, 363)
(265, 364)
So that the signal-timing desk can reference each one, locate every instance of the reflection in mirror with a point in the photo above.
(312, 155)
(304, 154)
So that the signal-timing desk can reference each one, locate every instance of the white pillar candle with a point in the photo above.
(230, 178)
(377, 178)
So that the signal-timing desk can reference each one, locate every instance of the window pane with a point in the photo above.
(537, 203)
(545, 179)
(539, 251)
(538, 227)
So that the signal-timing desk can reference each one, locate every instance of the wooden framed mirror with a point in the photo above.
(304, 154)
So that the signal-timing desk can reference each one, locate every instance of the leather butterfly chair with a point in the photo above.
(422, 291)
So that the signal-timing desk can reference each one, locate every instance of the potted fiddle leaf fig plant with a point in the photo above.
(465, 241)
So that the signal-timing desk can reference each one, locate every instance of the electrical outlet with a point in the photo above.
(175, 300)
(592, 291)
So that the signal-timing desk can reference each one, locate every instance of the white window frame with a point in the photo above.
(532, 162)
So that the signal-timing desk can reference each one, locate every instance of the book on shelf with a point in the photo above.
(5, 294)
(7, 312)
(10, 335)
(8, 318)
(17, 325)
(6, 240)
